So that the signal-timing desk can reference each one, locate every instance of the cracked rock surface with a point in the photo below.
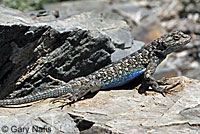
(34, 52)
(116, 111)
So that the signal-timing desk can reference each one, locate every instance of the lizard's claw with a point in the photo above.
(62, 99)
(163, 81)
(64, 102)
(165, 89)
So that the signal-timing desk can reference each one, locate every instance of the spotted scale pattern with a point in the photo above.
(122, 79)
(122, 72)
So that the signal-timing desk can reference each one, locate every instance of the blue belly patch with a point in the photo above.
(123, 79)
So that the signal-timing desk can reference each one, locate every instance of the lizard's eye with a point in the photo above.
(184, 36)
(176, 37)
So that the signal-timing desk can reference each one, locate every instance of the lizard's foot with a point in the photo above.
(160, 86)
(56, 100)
(62, 99)
(163, 81)
(164, 89)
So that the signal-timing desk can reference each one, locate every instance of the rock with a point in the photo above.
(116, 111)
(146, 32)
(189, 26)
(143, 22)
(190, 7)
(43, 15)
(70, 8)
(116, 56)
(34, 52)
(30, 121)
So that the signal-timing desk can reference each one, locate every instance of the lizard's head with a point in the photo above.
(171, 42)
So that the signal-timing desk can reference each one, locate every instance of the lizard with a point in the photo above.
(140, 63)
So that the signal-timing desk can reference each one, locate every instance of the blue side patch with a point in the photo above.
(123, 79)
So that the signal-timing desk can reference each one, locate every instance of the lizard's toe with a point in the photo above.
(163, 81)
(165, 89)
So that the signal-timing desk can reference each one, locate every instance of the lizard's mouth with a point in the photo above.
(186, 39)
(182, 42)
(180, 45)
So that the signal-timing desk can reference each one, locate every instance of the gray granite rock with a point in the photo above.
(115, 111)
(27, 120)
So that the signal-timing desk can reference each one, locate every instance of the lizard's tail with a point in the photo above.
(38, 96)
(73, 90)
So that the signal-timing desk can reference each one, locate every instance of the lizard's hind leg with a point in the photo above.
(79, 92)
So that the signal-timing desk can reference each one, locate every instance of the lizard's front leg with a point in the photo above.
(150, 81)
